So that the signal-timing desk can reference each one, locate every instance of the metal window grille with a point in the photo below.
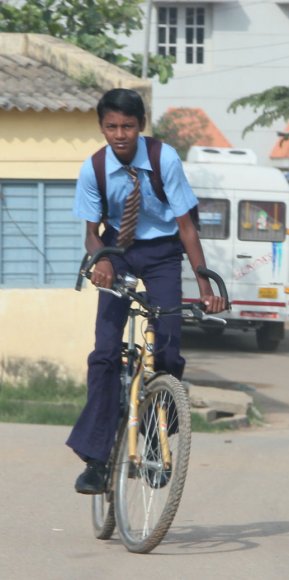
(41, 243)
(214, 217)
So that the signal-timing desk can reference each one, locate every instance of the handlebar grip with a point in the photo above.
(207, 273)
(103, 253)
(89, 261)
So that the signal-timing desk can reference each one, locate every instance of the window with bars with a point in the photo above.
(41, 243)
(167, 31)
(195, 34)
(181, 33)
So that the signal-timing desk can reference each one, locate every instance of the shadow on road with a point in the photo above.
(209, 540)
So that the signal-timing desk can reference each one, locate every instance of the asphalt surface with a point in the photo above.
(233, 521)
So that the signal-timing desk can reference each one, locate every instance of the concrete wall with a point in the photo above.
(46, 145)
(54, 324)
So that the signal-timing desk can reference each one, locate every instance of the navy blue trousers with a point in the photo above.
(158, 263)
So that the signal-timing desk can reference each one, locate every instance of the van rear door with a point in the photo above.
(260, 259)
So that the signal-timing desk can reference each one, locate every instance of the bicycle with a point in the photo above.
(148, 464)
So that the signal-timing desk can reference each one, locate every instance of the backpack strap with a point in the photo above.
(154, 154)
(98, 162)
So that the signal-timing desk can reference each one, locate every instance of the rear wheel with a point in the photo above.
(102, 511)
(147, 494)
(268, 336)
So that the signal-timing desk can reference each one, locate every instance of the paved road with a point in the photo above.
(233, 522)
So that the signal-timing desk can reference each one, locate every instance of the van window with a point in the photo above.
(214, 218)
(261, 221)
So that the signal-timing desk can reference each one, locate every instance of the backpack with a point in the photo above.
(154, 154)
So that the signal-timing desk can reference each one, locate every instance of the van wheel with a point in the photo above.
(264, 341)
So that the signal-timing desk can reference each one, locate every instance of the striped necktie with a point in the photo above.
(130, 212)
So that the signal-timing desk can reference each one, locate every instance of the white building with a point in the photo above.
(224, 50)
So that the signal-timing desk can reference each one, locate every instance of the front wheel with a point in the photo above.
(148, 493)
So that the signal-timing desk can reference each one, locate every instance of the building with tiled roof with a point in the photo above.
(26, 83)
(49, 90)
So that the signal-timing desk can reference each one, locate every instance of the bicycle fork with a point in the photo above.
(145, 370)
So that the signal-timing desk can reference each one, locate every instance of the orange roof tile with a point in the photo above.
(195, 119)
(212, 135)
(281, 148)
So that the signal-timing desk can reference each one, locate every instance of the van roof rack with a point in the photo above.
(221, 155)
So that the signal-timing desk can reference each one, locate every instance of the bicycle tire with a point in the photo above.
(103, 519)
(102, 506)
(147, 500)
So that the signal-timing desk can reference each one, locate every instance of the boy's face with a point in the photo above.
(121, 132)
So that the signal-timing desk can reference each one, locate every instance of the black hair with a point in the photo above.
(125, 101)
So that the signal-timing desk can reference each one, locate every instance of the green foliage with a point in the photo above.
(157, 65)
(72, 18)
(40, 16)
(274, 104)
(88, 24)
(181, 128)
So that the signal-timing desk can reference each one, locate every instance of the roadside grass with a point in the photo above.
(57, 405)
(38, 393)
(199, 424)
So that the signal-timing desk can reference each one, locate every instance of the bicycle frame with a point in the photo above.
(144, 372)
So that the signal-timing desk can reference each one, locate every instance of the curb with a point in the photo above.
(219, 406)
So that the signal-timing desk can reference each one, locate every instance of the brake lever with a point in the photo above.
(109, 291)
(212, 318)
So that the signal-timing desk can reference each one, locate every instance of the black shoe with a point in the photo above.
(92, 480)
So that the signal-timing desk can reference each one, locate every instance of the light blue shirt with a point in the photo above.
(156, 218)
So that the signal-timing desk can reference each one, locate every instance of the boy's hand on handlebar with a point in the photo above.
(103, 274)
(213, 304)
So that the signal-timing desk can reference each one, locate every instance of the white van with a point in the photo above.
(244, 219)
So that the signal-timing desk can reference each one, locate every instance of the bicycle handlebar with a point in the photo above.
(89, 261)
(120, 290)
(207, 273)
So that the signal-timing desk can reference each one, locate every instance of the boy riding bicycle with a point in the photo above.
(163, 232)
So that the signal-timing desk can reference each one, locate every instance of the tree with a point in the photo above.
(181, 127)
(90, 24)
(274, 104)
